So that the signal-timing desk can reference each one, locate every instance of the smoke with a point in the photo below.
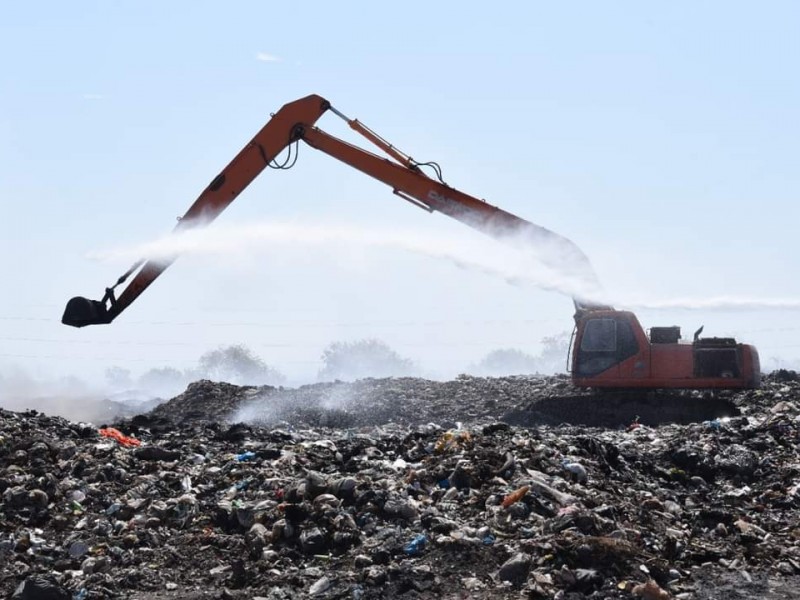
(518, 261)
(78, 399)
(68, 397)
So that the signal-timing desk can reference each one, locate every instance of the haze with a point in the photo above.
(661, 139)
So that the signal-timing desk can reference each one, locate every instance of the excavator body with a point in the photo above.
(611, 350)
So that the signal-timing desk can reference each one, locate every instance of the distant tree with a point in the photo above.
(507, 361)
(239, 365)
(164, 381)
(70, 384)
(511, 361)
(363, 358)
(555, 348)
(118, 378)
(789, 364)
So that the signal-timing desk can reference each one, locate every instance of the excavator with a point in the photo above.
(609, 349)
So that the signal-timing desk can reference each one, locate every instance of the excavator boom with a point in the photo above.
(248, 164)
(410, 183)
(296, 121)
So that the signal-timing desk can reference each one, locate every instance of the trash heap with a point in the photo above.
(401, 488)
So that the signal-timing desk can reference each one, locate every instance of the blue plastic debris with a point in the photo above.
(245, 456)
(416, 545)
(113, 508)
(80, 594)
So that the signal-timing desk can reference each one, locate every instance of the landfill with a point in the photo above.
(512, 487)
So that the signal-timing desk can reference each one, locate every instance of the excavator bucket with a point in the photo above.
(81, 311)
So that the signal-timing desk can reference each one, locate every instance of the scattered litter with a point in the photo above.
(116, 434)
(417, 489)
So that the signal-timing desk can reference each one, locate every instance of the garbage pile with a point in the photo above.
(520, 400)
(401, 488)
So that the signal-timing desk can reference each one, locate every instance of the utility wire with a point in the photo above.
(260, 345)
(317, 323)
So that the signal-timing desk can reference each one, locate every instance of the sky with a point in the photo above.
(662, 138)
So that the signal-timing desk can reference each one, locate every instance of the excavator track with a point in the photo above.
(622, 408)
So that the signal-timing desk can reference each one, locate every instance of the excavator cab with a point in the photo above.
(603, 341)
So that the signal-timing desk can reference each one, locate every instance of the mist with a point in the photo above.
(518, 261)
(522, 261)
(715, 304)
(70, 397)
(124, 393)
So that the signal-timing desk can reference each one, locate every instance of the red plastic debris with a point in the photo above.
(515, 496)
(634, 425)
(116, 434)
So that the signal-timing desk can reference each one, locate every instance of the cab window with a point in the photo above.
(600, 335)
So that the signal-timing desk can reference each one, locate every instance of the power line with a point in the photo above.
(169, 360)
(120, 342)
(316, 323)
(26, 319)
(258, 344)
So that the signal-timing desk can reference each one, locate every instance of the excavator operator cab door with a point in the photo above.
(603, 342)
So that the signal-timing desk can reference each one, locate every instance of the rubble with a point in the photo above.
(403, 488)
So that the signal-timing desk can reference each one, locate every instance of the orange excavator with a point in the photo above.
(610, 349)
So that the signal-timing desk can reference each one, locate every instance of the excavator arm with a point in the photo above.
(294, 122)
(408, 181)
(262, 150)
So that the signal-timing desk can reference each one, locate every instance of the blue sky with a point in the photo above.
(661, 138)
